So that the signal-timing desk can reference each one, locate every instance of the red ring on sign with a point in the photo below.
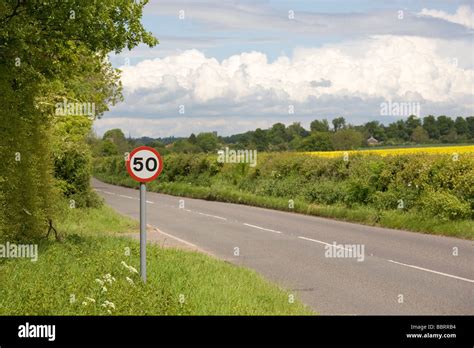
(160, 164)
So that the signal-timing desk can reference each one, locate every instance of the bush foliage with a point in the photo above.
(434, 185)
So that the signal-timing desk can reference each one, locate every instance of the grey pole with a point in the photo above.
(143, 231)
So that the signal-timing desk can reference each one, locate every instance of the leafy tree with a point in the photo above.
(208, 142)
(108, 148)
(431, 127)
(50, 52)
(445, 124)
(470, 124)
(451, 137)
(319, 126)
(338, 123)
(296, 130)
(461, 126)
(398, 130)
(278, 135)
(117, 137)
(73, 160)
(259, 138)
(420, 135)
(184, 146)
(347, 139)
(192, 139)
(412, 123)
(317, 141)
(375, 129)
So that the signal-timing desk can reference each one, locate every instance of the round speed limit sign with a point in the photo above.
(144, 164)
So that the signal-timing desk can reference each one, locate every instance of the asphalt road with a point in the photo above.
(399, 272)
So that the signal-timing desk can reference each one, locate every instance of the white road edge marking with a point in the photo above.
(261, 228)
(436, 272)
(318, 241)
(175, 238)
(213, 216)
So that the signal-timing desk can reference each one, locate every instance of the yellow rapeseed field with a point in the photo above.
(452, 150)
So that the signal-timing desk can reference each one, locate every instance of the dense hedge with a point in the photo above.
(25, 169)
(435, 185)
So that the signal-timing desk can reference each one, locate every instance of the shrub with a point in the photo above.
(326, 192)
(444, 205)
(385, 200)
(358, 191)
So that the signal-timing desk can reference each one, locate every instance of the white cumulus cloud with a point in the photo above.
(191, 92)
(464, 15)
(386, 67)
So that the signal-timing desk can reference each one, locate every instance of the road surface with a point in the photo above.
(398, 272)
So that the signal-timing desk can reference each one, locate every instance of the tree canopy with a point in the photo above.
(54, 53)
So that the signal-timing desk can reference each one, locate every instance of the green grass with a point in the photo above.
(360, 214)
(96, 222)
(179, 282)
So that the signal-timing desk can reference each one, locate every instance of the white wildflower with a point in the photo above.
(108, 278)
(101, 282)
(130, 281)
(108, 304)
(90, 299)
(104, 289)
(84, 303)
(130, 268)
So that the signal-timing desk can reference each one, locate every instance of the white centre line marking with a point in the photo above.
(318, 241)
(261, 228)
(150, 202)
(109, 193)
(126, 197)
(436, 272)
(213, 216)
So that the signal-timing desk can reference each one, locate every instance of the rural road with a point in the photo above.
(400, 272)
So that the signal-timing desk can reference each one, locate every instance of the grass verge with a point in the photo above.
(360, 214)
(91, 273)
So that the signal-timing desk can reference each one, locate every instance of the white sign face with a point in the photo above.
(144, 164)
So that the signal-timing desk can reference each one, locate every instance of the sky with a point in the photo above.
(233, 66)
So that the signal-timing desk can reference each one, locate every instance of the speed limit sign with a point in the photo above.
(144, 164)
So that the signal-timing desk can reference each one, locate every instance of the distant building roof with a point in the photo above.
(372, 140)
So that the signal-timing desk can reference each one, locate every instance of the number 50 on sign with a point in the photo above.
(144, 164)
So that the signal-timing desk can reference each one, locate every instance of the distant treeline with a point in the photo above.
(322, 136)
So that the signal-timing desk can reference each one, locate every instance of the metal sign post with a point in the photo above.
(143, 231)
(144, 164)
